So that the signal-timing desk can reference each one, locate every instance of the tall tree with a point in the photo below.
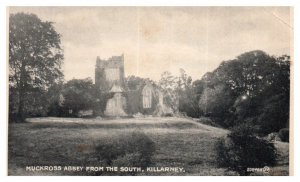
(187, 93)
(136, 83)
(169, 84)
(35, 58)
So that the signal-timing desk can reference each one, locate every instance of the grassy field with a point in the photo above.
(173, 142)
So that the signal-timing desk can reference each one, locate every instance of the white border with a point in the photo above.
(149, 3)
(3, 77)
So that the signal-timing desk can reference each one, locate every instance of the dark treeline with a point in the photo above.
(252, 89)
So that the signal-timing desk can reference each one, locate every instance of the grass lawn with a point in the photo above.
(178, 142)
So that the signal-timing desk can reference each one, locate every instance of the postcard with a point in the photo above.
(150, 91)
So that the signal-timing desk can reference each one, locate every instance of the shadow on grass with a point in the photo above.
(176, 125)
(131, 150)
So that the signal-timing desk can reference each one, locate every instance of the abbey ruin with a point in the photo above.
(110, 79)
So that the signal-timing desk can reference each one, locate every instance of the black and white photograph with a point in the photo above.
(149, 91)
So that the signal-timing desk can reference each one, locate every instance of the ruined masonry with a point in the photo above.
(110, 79)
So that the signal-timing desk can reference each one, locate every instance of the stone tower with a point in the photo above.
(109, 72)
(109, 78)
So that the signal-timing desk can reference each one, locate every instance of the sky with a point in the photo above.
(158, 39)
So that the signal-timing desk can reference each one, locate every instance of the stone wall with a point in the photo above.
(115, 106)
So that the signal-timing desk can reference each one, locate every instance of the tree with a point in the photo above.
(188, 94)
(78, 95)
(253, 72)
(198, 87)
(181, 93)
(169, 84)
(55, 100)
(135, 82)
(215, 102)
(253, 88)
(35, 58)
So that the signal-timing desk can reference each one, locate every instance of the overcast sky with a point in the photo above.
(157, 39)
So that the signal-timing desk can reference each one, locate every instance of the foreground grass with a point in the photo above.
(178, 142)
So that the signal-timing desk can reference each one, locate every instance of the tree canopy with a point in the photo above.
(254, 88)
(35, 59)
(78, 95)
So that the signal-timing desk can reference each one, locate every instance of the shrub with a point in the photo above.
(241, 150)
(134, 150)
(284, 134)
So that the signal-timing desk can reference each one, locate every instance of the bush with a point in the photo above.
(241, 150)
(134, 150)
(284, 134)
